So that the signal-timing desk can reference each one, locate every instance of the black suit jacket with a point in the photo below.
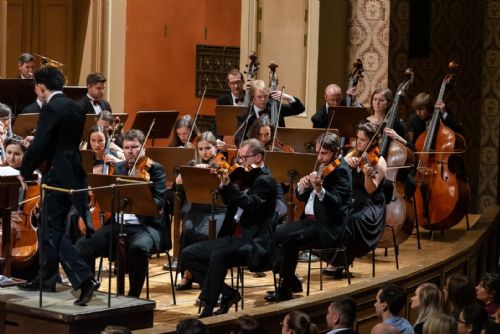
(33, 108)
(158, 227)
(86, 103)
(416, 126)
(333, 212)
(291, 109)
(320, 119)
(258, 204)
(56, 146)
(225, 100)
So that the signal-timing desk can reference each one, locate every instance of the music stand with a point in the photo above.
(122, 115)
(302, 140)
(165, 120)
(171, 157)
(17, 93)
(90, 120)
(280, 163)
(25, 124)
(87, 160)
(346, 119)
(75, 93)
(225, 119)
(201, 186)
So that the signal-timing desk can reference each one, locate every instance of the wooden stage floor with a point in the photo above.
(434, 250)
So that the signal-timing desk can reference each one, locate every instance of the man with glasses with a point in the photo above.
(247, 226)
(236, 97)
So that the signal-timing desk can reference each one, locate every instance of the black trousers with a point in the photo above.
(208, 262)
(57, 247)
(139, 246)
(290, 239)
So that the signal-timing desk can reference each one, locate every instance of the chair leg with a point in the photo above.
(396, 247)
(309, 272)
(172, 283)
(416, 223)
(467, 220)
(147, 282)
(99, 270)
(346, 266)
(242, 288)
(237, 283)
(275, 287)
(320, 271)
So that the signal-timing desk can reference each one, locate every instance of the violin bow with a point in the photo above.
(323, 139)
(142, 147)
(196, 116)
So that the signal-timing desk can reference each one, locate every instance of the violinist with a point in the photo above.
(418, 122)
(236, 96)
(366, 218)
(260, 94)
(194, 216)
(333, 98)
(103, 152)
(182, 129)
(263, 130)
(248, 240)
(327, 194)
(144, 233)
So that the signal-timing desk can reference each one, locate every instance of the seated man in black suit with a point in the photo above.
(325, 214)
(93, 102)
(247, 226)
(261, 106)
(25, 65)
(341, 315)
(236, 97)
(333, 98)
(144, 233)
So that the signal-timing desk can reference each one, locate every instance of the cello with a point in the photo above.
(442, 194)
(399, 212)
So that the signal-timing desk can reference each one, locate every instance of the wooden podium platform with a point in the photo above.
(19, 312)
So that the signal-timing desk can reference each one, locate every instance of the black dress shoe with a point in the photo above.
(34, 285)
(208, 311)
(337, 273)
(86, 291)
(226, 302)
(181, 287)
(282, 296)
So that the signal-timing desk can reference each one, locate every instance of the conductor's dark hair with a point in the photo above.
(133, 134)
(51, 77)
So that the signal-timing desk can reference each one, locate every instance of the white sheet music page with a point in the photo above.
(8, 171)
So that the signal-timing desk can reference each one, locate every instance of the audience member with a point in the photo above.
(440, 324)
(472, 319)
(389, 302)
(297, 322)
(488, 292)
(383, 328)
(341, 315)
(191, 326)
(246, 324)
(428, 301)
(458, 292)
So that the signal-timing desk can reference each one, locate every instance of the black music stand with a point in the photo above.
(164, 122)
(87, 160)
(122, 194)
(171, 157)
(346, 119)
(75, 93)
(201, 186)
(302, 140)
(226, 122)
(25, 124)
(90, 120)
(17, 93)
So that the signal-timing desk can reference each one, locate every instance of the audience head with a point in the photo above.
(488, 289)
(427, 300)
(472, 319)
(191, 326)
(182, 129)
(390, 300)
(25, 64)
(380, 101)
(440, 323)
(333, 95)
(96, 83)
(383, 328)
(297, 322)
(458, 292)
(246, 324)
(341, 313)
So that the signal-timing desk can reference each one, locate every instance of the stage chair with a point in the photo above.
(323, 254)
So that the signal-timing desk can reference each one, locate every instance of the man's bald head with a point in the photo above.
(333, 95)
(383, 328)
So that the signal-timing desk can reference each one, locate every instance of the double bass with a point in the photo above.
(252, 68)
(442, 193)
(399, 212)
(354, 78)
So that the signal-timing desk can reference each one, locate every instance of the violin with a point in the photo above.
(142, 168)
(328, 169)
(370, 158)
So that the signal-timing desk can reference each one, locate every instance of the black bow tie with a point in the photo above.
(96, 103)
(239, 100)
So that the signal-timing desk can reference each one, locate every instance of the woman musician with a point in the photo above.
(104, 153)
(366, 218)
(182, 128)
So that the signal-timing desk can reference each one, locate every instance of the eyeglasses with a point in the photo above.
(235, 83)
(244, 157)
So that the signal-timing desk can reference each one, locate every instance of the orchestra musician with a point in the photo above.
(333, 98)
(14, 152)
(327, 197)
(249, 220)
(25, 64)
(112, 126)
(93, 102)
(145, 233)
(236, 96)
(59, 132)
(366, 217)
(182, 129)
(423, 107)
(5, 119)
(260, 94)
(98, 139)
(33, 108)
(263, 130)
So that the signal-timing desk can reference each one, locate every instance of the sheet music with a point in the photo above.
(8, 171)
